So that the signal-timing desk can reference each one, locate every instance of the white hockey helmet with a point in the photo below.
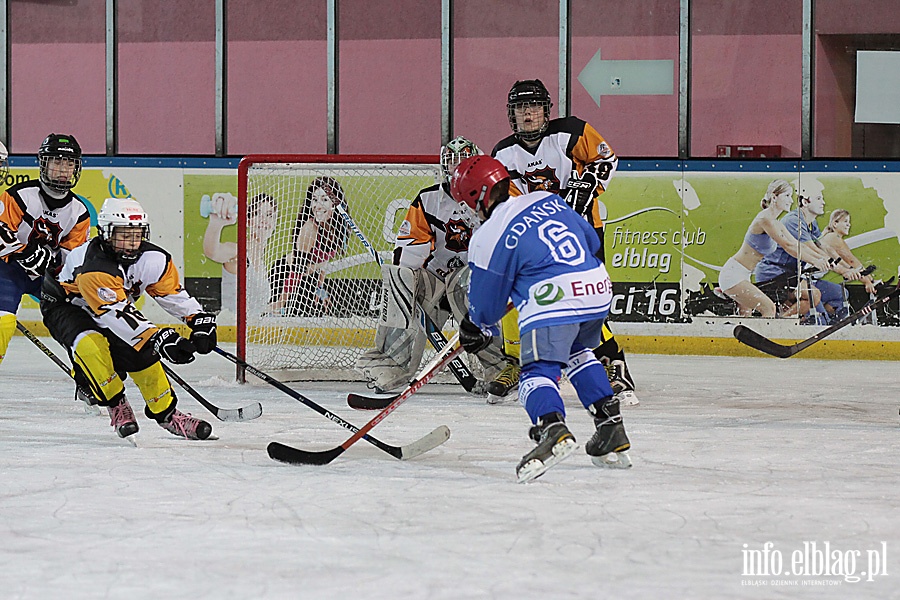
(455, 151)
(121, 212)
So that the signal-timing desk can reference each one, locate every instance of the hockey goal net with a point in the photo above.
(309, 291)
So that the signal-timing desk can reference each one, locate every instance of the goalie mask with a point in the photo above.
(122, 225)
(456, 150)
(474, 180)
(59, 159)
(528, 108)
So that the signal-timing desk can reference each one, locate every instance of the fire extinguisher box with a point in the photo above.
(746, 151)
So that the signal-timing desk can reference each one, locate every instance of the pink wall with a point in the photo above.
(277, 97)
(746, 90)
(390, 96)
(746, 72)
(58, 88)
(167, 98)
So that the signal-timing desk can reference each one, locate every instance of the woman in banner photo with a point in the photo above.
(262, 218)
(833, 237)
(298, 278)
(765, 233)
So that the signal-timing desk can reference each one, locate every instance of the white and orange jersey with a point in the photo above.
(28, 214)
(568, 144)
(107, 289)
(436, 233)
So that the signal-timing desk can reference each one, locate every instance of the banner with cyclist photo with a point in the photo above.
(728, 236)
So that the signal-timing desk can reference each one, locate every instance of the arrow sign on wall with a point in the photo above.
(627, 77)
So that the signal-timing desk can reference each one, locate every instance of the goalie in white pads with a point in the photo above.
(429, 272)
(542, 254)
(90, 310)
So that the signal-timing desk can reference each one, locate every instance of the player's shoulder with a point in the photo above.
(571, 125)
(24, 189)
(507, 142)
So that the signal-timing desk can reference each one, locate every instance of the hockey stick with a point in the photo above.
(298, 456)
(246, 413)
(89, 401)
(430, 441)
(747, 336)
(434, 333)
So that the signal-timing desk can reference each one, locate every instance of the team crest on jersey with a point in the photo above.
(458, 235)
(106, 294)
(604, 150)
(405, 228)
(46, 232)
(544, 179)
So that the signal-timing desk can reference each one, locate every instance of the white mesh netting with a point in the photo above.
(313, 290)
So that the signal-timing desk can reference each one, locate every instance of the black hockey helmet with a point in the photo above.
(67, 149)
(525, 93)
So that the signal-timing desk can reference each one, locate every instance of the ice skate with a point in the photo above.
(609, 445)
(556, 443)
(498, 390)
(121, 417)
(186, 426)
(621, 382)
(90, 403)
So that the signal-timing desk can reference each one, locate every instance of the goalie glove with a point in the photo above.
(579, 192)
(203, 331)
(171, 346)
(472, 338)
(34, 259)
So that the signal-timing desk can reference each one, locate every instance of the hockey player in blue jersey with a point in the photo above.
(542, 254)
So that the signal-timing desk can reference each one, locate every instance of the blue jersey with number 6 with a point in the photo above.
(542, 254)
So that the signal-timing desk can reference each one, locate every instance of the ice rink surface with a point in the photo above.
(729, 454)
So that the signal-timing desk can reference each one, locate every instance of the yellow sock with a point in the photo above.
(509, 326)
(7, 329)
(155, 388)
(93, 357)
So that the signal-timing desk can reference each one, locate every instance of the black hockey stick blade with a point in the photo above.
(360, 402)
(245, 413)
(747, 336)
(295, 456)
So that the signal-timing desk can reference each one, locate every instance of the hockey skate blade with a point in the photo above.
(535, 467)
(613, 460)
(628, 398)
(510, 398)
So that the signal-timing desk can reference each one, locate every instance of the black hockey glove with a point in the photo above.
(203, 331)
(173, 347)
(472, 338)
(34, 259)
(579, 192)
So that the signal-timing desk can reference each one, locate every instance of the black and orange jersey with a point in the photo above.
(107, 289)
(27, 214)
(435, 233)
(568, 144)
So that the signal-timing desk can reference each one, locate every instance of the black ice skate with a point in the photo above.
(621, 382)
(609, 445)
(556, 443)
(505, 382)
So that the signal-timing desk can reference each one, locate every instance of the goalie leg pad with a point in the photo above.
(458, 292)
(399, 297)
(91, 355)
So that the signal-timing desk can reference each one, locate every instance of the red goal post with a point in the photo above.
(308, 290)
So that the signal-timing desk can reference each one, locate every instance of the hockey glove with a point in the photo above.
(472, 338)
(579, 192)
(34, 259)
(173, 347)
(203, 331)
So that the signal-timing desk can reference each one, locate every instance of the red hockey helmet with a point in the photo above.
(474, 179)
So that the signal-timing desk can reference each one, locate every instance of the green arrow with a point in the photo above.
(627, 77)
